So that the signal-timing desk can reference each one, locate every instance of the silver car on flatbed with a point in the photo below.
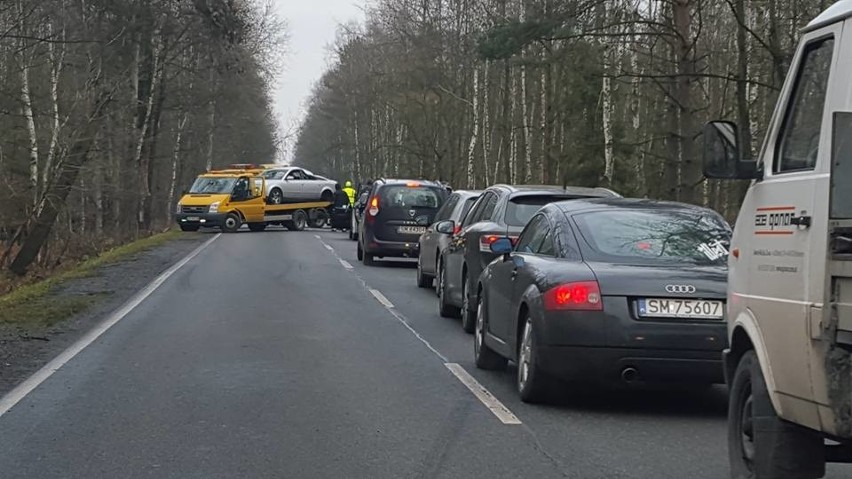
(288, 184)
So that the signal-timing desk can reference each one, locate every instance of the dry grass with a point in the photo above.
(34, 305)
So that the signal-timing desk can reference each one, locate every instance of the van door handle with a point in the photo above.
(801, 221)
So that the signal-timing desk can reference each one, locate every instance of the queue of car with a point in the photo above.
(572, 284)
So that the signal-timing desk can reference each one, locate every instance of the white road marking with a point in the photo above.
(492, 403)
(14, 396)
(318, 237)
(381, 298)
(485, 397)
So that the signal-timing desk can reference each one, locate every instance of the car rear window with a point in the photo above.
(654, 235)
(520, 209)
(403, 196)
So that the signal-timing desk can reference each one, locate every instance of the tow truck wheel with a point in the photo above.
(189, 227)
(257, 226)
(760, 444)
(232, 223)
(299, 221)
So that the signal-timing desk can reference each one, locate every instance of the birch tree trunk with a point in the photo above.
(474, 135)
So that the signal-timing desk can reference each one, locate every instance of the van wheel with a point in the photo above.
(760, 444)
(257, 227)
(369, 259)
(232, 223)
(189, 227)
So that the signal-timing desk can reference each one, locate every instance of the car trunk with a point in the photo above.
(406, 211)
(710, 282)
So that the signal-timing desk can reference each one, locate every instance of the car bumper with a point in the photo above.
(606, 365)
(392, 248)
(212, 220)
(602, 344)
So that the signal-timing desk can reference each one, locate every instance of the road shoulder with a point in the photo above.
(25, 350)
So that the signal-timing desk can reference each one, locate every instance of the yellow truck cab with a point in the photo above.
(229, 198)
(789, 366)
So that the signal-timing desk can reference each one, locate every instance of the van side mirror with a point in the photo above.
(722, 157)
(445, 227)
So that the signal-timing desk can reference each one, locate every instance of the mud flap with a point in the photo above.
(785, 450)
(839, 369)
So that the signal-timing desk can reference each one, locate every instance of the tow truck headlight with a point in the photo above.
(214, 208)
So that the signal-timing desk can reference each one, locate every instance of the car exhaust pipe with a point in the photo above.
(629, 375)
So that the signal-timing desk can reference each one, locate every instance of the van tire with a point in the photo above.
(189, 228)
(231, 223)
(360, 252)
(369, 259)
(777, 449)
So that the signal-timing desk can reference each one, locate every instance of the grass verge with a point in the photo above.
(34, 305)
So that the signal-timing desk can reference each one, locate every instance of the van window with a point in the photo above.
(410, 197)
(798, 145)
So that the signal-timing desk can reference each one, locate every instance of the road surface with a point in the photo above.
(276, 354)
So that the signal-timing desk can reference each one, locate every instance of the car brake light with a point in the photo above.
(412, 184)
(374, 208)
(485, 242)
(514, 240)
(457, 229)
(579, 296)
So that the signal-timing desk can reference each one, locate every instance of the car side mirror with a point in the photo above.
(502, 246)
(722, 156)
(445, 227)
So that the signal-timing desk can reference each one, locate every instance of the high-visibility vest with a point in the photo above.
(350, 192)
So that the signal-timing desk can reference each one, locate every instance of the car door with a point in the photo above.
(787, 252)
(429, 239)
(457, 250)
(523, 264)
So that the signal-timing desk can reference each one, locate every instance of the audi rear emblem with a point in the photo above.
(680, 288)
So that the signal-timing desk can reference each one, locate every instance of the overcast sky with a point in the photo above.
(312, 27)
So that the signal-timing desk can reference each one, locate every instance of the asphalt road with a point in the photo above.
(276, 354)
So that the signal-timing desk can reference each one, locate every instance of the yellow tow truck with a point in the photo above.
(232, 197)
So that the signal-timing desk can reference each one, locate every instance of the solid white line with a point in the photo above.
(22, 390)
(492, 403)
(346, 264)
(381, 298)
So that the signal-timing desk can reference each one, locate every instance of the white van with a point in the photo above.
(789, 366)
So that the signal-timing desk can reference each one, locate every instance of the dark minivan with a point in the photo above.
(396, 214)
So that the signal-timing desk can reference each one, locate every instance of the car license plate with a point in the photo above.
(193, 218)
(681, 308)
(411, 230)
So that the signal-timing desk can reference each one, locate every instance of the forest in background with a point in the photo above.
(582, 92)
(109, 108)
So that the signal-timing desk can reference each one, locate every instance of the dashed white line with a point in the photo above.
(318, 237)
(485, 397)
(381, 298)
(14, 396)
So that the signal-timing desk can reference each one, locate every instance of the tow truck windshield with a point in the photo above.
(213, 185)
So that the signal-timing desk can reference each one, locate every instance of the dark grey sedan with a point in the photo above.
(433, 242)
(501, 210)
(610, 290)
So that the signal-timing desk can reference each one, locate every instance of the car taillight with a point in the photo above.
(579, 296)
(485, 242)
(374, 208)
(457, 229)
